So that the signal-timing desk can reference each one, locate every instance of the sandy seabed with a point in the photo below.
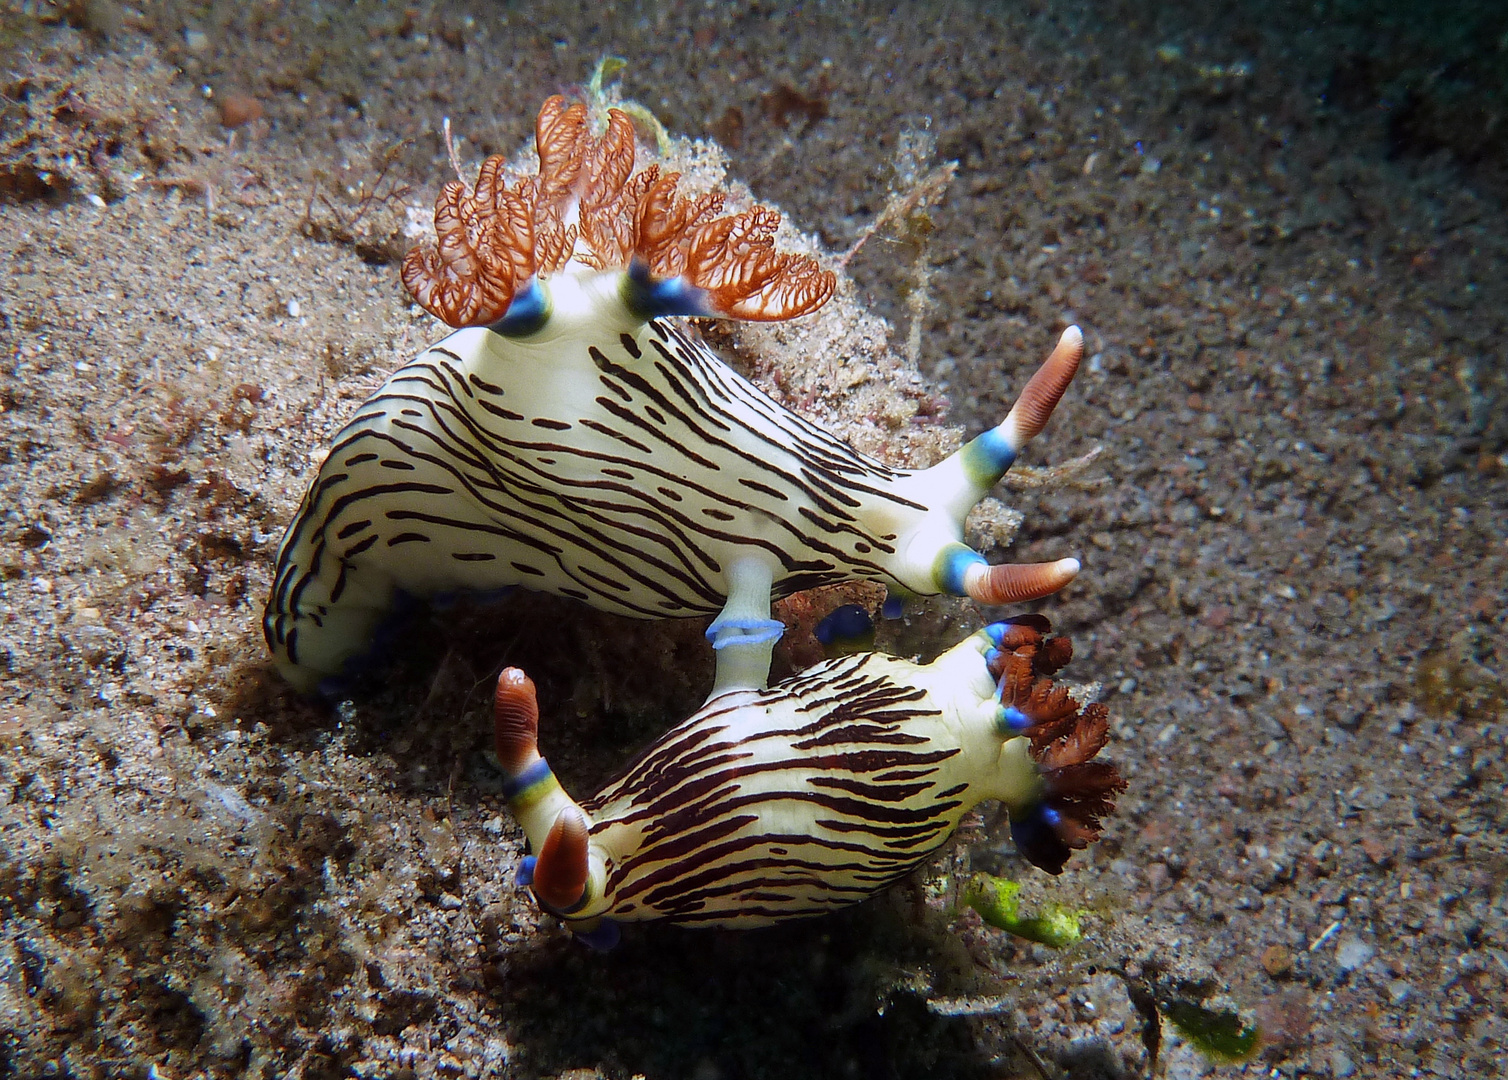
(1290, 270)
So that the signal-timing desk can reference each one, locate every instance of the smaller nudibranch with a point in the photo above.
(816, 793)
(573, 437)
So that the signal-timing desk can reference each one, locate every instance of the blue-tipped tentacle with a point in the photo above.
(951, 566)
(1011, 721)
(988, 457)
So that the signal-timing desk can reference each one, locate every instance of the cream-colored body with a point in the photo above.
(611, 459)
(799, 799)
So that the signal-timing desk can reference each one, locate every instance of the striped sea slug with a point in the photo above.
(574, 436)
(817, 792)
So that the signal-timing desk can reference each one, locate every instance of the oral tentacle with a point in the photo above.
(556, 826)
(935, 553)
(561, 868)
(1017, 583)
(988, 457)
(959, 570)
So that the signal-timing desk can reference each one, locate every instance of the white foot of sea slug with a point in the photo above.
(574, 437)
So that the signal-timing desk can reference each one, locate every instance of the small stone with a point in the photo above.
(1286, 1019)
(1341, 1063)
(1378, 850)
(1126, 686)
(239, 109)
(294, 309)
(1351, 953)
(1217, 616)
(451, 902)
(1277, 961)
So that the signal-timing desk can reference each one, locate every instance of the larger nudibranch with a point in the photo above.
(572, 437)
(816, 793)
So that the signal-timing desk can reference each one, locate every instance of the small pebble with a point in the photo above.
(239, 109)
(1276, 960)
(1352, 953)
(1341, 1063)
(294, 309)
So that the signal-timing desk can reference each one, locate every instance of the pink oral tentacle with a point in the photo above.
(1017, 583)
(560, 872)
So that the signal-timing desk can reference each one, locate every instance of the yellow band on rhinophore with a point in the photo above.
(530, 787)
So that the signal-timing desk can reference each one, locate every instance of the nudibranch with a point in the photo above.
(815, 793)
(574, 436)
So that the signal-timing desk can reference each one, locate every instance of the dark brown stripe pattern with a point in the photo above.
(781, 803)
(626, 479)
